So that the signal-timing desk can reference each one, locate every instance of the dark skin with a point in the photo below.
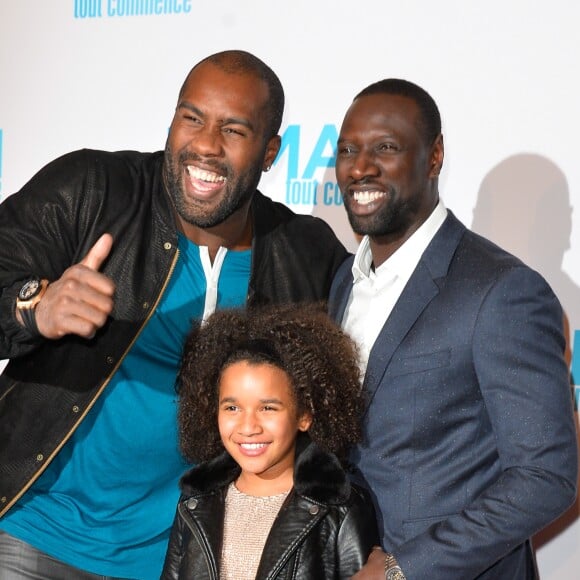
(218, 146)
(80, 301)
(385, 160)
(388, 174)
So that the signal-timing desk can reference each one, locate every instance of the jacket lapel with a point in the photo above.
(296, 519)
(423, 286)
(319, 481)
(340, 292)
(418, 293)
(200, 517)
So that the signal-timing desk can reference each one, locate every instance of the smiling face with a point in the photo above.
(218, 145)
(385, 169)
(258, 424)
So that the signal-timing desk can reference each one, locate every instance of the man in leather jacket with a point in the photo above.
(105, 261)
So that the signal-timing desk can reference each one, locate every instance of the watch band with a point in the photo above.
(392, 569)
(28, 316)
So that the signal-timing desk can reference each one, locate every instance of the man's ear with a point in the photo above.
(272, 149)
(437, 154)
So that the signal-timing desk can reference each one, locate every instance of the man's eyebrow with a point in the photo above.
(237, 121)
(226, 121)
(190, 107)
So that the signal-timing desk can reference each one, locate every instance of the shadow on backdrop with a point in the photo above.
(523, 205)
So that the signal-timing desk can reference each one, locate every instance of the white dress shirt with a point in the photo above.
(375, 292)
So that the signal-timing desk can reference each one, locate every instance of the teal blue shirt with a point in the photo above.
(106, 502)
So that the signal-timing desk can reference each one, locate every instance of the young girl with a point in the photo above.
(269, 400)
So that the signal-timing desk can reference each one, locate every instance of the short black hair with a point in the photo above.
(242, 62)
(430, 117)
(320, 360)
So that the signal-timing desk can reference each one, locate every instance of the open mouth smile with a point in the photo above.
(204, 175)
(367, 197)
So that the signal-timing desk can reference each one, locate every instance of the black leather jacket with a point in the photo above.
(325, 529)
(49, 386)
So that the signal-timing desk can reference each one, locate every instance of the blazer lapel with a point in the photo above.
(340, 291)
(420, 290)
(418, 293)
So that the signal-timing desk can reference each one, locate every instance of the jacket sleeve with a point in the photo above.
(38, 233)
(357, 534)
(518, 348)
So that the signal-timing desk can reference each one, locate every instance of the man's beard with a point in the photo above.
(238, 191)
(389, 219)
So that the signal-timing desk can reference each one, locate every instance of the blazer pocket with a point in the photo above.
(415, 527)
(420, 363)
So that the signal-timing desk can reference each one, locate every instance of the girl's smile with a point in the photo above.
(258, 423)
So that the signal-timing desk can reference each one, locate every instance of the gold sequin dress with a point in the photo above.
(247, 523)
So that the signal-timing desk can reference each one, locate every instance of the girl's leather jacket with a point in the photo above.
(325, 529)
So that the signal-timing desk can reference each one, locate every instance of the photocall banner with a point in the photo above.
(105, 74)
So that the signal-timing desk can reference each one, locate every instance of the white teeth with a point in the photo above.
(204, 175)
(366, 197)
(253, 445)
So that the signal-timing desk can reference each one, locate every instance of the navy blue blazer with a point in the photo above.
(469, 439)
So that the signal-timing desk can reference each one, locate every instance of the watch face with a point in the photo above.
(395, 574)
(29, 290)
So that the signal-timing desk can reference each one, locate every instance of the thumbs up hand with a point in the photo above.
(80, 301)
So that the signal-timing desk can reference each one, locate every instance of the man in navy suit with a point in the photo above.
(469, 440)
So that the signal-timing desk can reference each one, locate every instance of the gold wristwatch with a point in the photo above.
(392, 569)
(31, 293)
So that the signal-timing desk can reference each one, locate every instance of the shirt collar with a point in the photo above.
(363, 259)
(407, 256)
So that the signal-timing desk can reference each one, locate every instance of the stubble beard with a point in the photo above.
(237, 192)
(387, 220)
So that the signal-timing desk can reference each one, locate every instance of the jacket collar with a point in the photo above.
(318, 475)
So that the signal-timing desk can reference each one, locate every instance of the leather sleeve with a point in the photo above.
(37, 235)
(357, 534)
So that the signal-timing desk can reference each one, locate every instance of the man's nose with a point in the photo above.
(208, 141)
(364, 165)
